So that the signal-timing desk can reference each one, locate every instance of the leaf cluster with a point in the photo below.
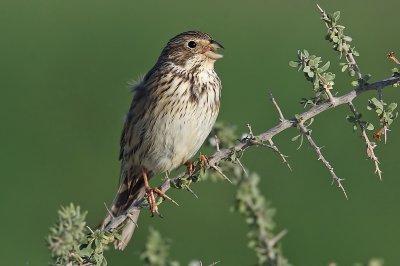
(92, 249)
(66, 235)
(385, 112)
(356, 121)
(340, 41)
(156, 250)
(71, 242)
(315, 72)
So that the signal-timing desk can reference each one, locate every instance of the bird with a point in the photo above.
(173, 110)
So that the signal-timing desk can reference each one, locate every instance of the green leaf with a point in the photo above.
(347, 38)
(316, 83)
(390, 108)
(296, 138)
(328, 76)
(354, 83)
(313, 63)
(367, 77)
(325, 67)
(309, 122)
(351, 118)
(370, 126)
(336, 15)
(345, 47)
(340, 47)
(376, 103)
(293, 64)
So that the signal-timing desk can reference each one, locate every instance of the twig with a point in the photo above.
(90, 229)
(385, 131)
(275, 148)
(348, 53)
(216, 142)
(251, 135)
(224, 154)
(241, 166)
(385, 128)
(370, 145)
(190, 190)
(108, 210)
(130, 216)
(328, 86)
(317, 149)
(219, 171)
(393, 58)
(272, 242)
(351, 60)
(270, 245)
(281, 117)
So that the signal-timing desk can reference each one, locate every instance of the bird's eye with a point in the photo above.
(192, 44)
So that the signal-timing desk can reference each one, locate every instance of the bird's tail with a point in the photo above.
(130, 190)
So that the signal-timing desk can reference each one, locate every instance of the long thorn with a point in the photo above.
(216, 168)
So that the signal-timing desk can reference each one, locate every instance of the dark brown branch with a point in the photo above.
(224, 154)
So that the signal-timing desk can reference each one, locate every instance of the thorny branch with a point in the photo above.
(270, 141)
(369, 145)
(348, 50)
(307, 133)
(276, 149)
(224, 154)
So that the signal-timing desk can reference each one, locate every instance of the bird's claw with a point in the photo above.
(204, 160)
(190, 168)
(150, 193)
(151, 199)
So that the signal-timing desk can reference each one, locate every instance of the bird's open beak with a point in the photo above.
(210, 49)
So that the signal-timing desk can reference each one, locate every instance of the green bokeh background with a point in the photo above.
(65, 66)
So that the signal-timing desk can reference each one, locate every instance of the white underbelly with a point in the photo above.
(177, 139)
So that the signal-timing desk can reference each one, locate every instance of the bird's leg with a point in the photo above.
(150, 192)
(189, 167)
(203, 160)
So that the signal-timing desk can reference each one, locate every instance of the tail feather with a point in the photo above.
(130, 190)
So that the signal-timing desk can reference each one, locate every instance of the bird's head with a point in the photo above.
(190, 49)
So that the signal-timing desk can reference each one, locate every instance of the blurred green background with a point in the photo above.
(65, 68)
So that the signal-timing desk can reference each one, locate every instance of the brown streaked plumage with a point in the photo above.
(172, 112)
